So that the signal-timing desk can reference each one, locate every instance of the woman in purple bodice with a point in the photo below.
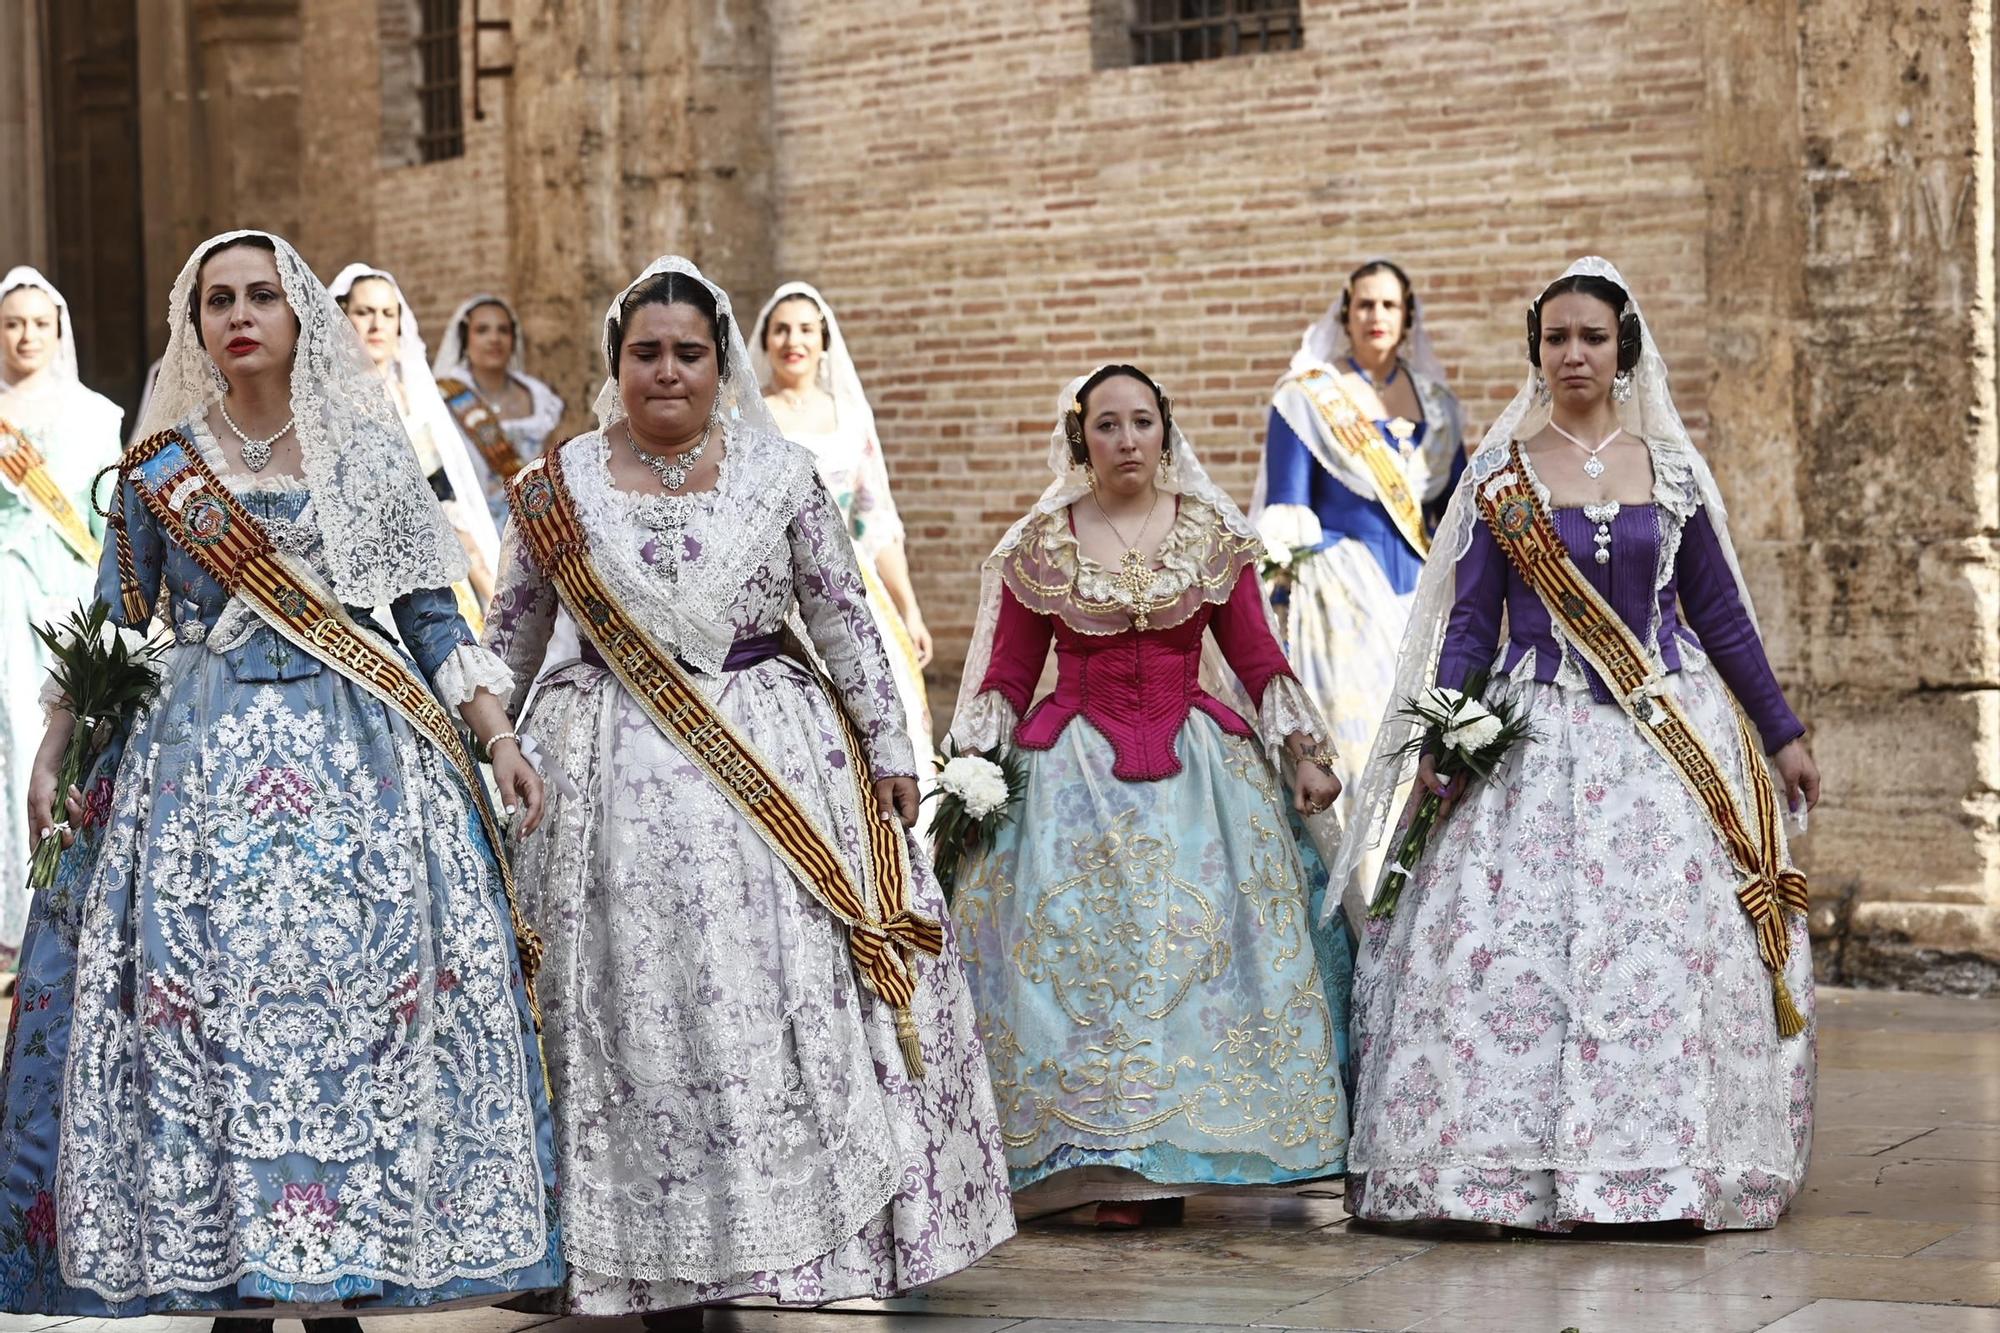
(1568, 1018)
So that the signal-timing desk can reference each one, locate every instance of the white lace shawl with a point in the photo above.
(385, 535)
(429, 413)
(765, 482)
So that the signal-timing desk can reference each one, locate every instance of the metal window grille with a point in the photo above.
(1166, 32)
(440, 81)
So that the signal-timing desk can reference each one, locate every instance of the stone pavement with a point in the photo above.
(1897, 1231)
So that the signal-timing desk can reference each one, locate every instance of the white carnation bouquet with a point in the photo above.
(1466, 736)
(975, 797)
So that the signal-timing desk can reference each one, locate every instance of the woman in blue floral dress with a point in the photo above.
(273, 1053)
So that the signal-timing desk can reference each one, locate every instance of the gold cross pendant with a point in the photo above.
(1133, 579)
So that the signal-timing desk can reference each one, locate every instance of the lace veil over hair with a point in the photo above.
(737, 395)
(1184, 476)
(836, 368)
(62, 368)
(1649, 414)
(451, 347)
(427, 406)
(385, 536)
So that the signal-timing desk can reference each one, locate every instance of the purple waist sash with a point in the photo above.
(743, 654)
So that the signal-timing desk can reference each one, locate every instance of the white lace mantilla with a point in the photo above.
(684, 602)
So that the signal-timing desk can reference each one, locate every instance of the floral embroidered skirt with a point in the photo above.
(1567, 1020)
(270, 1042)
(1154, 996)
(733, 1115)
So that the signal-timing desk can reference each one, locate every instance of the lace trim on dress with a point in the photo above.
(1197, 565)
(684, 602)
(1288, 708)
(985, 725)
(460, 676)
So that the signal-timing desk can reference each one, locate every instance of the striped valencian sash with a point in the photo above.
(882, 942)
(1513, 510)
(203, 518)
(1355, 435)
(25, 473)
(481, 424)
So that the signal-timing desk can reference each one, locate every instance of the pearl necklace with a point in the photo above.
(256, 453)
(1593, 467)
(673, 472)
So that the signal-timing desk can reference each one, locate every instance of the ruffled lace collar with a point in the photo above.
(1197, 564)
(714, 539)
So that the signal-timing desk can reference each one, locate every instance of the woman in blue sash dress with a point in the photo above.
(272, 1052)
(1358, 535)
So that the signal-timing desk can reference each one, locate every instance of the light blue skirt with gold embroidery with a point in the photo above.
(1152, 990)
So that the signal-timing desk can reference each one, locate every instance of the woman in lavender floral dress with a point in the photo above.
(734, 1116)
(1569, 1018)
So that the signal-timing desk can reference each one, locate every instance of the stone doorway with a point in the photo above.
(96, 230)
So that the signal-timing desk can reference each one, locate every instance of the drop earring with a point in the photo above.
(1543, 394)
(1621, 387)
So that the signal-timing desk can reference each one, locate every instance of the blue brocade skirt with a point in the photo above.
(271, 1042)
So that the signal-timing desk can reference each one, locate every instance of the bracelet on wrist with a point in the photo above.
(1322, 756)
(503, 736)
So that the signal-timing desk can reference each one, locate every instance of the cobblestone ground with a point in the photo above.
(1897, 1231)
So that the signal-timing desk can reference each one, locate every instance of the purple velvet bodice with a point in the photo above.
(1702, 590)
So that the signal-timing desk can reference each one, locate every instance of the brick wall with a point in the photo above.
(990, 215)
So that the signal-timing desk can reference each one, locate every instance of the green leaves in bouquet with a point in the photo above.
(104, 675)
(98, 670)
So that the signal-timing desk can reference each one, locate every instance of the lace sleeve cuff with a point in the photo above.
(1291, 526)
(469, 667)
(987, 724)
(51, 699)
(1288, 708)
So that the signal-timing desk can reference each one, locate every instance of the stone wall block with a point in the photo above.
(1916, 615)
(1909, 809)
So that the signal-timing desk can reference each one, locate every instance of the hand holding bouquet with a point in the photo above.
(975, 797)
(1464, 736)
(103, 673)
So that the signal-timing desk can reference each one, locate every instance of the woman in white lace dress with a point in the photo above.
(45, 564)
(815, 393)
(737, 1110)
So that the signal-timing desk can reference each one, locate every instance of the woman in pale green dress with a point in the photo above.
(41, 577)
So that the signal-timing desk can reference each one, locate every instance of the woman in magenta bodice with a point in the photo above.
(1160, 1015)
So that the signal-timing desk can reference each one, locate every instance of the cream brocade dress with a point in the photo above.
(733, 1115)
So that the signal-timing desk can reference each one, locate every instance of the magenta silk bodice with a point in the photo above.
(1137, 687)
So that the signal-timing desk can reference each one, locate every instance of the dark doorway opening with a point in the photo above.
(97, 229)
